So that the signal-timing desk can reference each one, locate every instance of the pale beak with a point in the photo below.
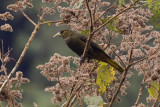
(58, 34)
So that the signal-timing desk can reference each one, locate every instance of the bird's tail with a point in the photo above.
(105, 58)
(114, 64)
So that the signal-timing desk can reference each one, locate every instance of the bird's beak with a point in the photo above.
(58, 34)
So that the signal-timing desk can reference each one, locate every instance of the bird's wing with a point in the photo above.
(93, 45)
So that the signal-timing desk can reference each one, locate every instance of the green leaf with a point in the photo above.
(154, 5)
(49, 24)
(156, 19)
(154, 90)
(93, 101)
(85, 32)
(112, 25)
(105, 76)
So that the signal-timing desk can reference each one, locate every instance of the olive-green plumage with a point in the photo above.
(77, 42)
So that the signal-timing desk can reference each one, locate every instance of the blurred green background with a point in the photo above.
(41, 49)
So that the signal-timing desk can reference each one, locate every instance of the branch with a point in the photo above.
(90, 34)
(123, 79)
(75, 90)
(105, 12)
(29, 19)
(22, 55)
(119, 87)
(115, 16)
(90, 14)
(120, 59)
(141, 89)
(25, 15)
(56, 21)
(91, 27)
(130, 56)
(145, 57)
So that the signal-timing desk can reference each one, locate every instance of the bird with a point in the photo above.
(77, 41)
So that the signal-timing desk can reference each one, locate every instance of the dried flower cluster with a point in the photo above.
(132, 50)
(9, 94)
(20, 5)
(6, 27)
(5, 16)
(55, 69)
(137, 47)
(15, 7)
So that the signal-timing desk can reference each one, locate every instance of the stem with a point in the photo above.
(119, 87)
(21, 56)
(123, 79)
(105, 12)
(90, 34)
(108, 21)
(56, 21)
(25, 15)
(140, 92)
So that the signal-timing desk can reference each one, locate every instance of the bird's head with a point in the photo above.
(65, 33)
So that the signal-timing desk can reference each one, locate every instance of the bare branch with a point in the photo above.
(56, 21)
(141, 89)
(29, 19)
(90, 34)
(108, 21)
(105, 12)
(122, 80)
(22, 54)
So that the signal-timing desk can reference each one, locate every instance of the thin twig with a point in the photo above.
(108, 21)
(94, 12)
(90, 34)
(76, 96)
(56, 21)
(51, 8)
(29, 19)
(145, 57)
(24, 50)
(130, 56)
(76, 88)
(140, 92)
(119, 87)
(22, 54)
(91, 27)
(141, 89)
(105, 12)
(90, 14)
(25, 15)
(120, 59)
(123, 79)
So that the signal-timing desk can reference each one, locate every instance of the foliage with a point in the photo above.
(154, 5)
(154, 90)
(93, 101)
(112, 25)
(105, 75)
